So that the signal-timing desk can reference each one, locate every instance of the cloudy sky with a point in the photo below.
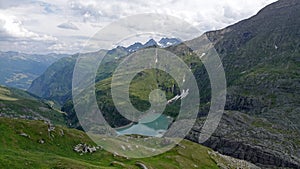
(45, 26)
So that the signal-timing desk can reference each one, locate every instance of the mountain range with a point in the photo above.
(19, 69)
(260, 56)
(56, 82)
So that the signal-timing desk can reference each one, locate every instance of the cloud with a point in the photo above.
(16, 37)
(68, 25)
(32, 21)
(206, 14)
(9, 4)
(14, 28)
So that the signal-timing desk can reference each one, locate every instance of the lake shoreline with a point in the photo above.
(126, 126)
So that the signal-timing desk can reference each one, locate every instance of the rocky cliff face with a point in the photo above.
(252, 139)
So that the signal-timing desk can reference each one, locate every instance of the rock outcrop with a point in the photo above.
(244, 137)
(84, 148)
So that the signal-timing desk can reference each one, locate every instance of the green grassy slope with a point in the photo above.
(18, 151)
(21, 104)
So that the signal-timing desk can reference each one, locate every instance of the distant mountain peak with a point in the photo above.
(134, 47)
(164, 42)
(150, 42)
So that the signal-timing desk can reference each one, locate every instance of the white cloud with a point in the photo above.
(8, 4)
(68, 25)
(33, 20)
(14, 27)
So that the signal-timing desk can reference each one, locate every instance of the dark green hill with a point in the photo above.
(56, 82)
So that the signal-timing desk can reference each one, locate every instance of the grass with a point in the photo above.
(17, 103)
(17, 151)
(4, 95)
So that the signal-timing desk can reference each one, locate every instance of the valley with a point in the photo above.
(259, 128)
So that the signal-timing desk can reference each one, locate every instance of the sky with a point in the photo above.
(57, 26)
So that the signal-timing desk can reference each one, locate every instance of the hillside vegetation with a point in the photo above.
(28, 144)
(15, 103)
